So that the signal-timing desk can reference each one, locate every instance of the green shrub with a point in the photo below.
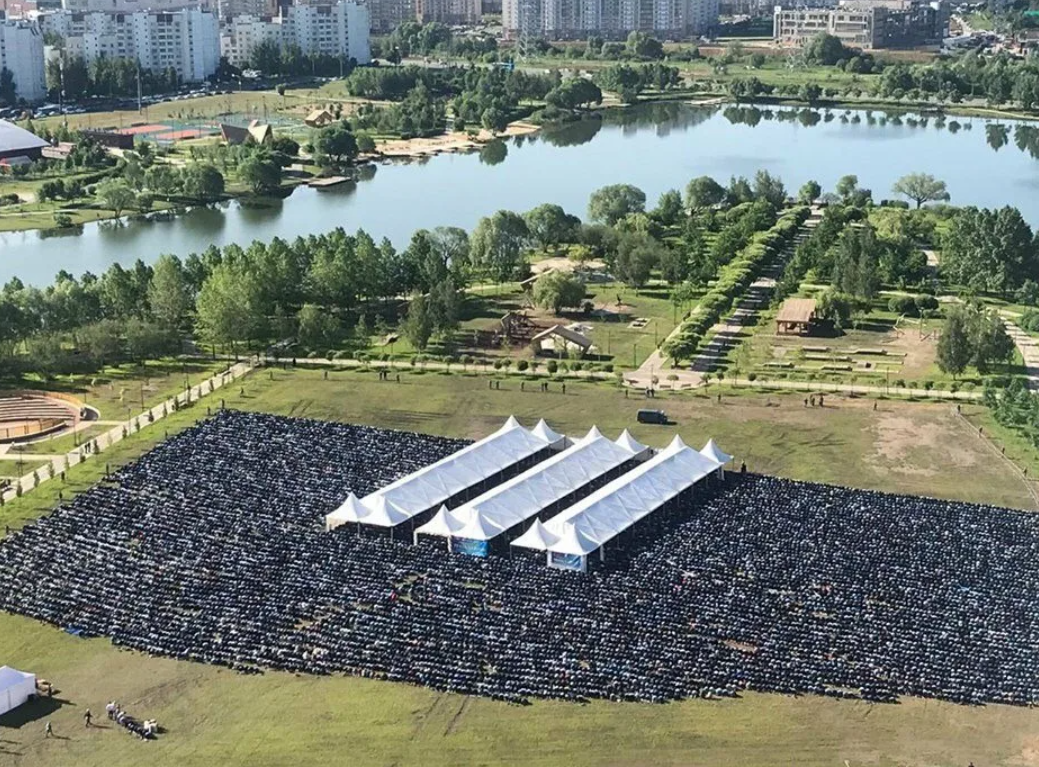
(552, 366)
(522, 365)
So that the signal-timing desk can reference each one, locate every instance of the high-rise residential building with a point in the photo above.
(124, 6)
(21, 53)
(333, 30)
(386, 15)
(228, 10)
(614, 19)
(449, 11)
(186, 40)
(340, 29)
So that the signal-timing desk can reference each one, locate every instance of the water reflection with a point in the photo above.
(494, 152)
(653, 146)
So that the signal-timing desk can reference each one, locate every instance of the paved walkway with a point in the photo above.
(1027, 346)
(58, 463)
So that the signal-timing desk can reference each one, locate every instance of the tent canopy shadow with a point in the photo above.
(36, 709)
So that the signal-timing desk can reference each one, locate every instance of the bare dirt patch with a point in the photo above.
(914, 445)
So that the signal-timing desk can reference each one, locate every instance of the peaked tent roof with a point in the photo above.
(443, 523)
(385, 513)
(436, 483)
(537, 537)
(352, 510)
(543, 430)
(628, 442)
(527, 494)
(573, 541)
(479, 528)
(715, 453)
(620, 504)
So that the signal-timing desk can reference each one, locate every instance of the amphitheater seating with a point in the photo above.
(26, 416)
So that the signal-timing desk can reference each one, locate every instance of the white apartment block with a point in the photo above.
(21, 52)
(240, 36)
(130, 6)
(187, 40)
(335, 30)
(449, 12)
(229, 10)
(614, 19)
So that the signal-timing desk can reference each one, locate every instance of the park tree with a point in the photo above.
(954, 345)
(637, 256)
(825, 49)
(770, 189)
(444, 306)
(809, 192)
(989, 250)
(550, 225)
(162, 179)
(261, 172)
(846, 186)
(451, 244)
(335, 145)
(146, 340)
(991, 345)
(418, 325)
(116, 195)
(576, 93)
(317, 327)
(228, 306)
(202, 181)
(644, 46)
(168, 296)
(610, 204)
(670, 210)
(497, 244)
(557, 290)
(704, 192)
(921, 188)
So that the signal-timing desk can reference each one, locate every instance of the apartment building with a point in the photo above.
(865, 24)
(21, 52)
(386, 15)
(335, 30)
(611, 19)
(185, 40)
(449, 11)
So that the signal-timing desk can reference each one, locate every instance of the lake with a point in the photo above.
(655, 147)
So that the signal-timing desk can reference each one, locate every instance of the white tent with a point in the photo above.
(573, 541)
(715, 453)
(16, 687)
(528, 494)
(620, 504)
(537, 537)
(629, 443)
(352, 510)
(434, 484)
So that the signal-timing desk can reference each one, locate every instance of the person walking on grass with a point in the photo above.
(48, 731)
(87, 716)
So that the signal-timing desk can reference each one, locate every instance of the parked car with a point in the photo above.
(652, 416)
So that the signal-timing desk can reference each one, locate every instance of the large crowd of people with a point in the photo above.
(211, 548)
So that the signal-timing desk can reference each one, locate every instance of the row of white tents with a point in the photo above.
(434, 485)
(632, 483)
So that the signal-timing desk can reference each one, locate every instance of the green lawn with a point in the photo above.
(216, 717)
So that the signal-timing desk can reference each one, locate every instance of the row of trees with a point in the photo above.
(478, 97)
(105, 76)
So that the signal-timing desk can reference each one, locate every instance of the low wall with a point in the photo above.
(36, 429)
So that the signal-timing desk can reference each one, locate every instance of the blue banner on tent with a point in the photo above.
(471, 547)
(567, 561)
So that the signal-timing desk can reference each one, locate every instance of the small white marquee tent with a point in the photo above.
(16, 687)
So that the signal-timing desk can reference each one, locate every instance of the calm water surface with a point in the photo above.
(657, 148)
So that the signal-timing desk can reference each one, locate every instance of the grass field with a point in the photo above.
(214, 716)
